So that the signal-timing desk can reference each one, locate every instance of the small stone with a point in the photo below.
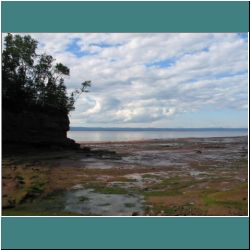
(198, 151)
(85, 149)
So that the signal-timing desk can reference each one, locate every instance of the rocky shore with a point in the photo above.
(191, 176)
(35, 129)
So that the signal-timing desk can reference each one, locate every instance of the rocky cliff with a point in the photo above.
(35, 128)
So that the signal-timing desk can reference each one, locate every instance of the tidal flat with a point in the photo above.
(172, 177)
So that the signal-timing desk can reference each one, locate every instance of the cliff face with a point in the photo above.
(35, 128)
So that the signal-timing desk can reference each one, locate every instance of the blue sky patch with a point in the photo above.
(75, 49)
(171, 61)
(105, 45)
(163, 63)
(230, 74)
(206, 49)
(243, 36)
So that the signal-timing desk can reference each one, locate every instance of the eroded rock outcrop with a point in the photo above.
(36, 128)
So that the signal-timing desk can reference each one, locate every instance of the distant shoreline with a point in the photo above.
(154, 129)
(167, 140)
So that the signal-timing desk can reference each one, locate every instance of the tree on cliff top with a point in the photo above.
(31, 81)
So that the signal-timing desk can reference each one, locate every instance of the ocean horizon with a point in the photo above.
(84, 134)
(148, 129)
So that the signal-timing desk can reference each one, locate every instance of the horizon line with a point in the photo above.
(154, 128)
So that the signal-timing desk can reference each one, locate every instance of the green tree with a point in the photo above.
(30, 80)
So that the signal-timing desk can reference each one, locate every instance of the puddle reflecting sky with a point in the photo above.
(86, 201)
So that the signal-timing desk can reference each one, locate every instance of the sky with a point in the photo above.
(167, 80)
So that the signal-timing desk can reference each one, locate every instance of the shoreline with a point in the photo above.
(157, 140)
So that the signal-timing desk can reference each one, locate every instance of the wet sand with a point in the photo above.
(190, 176)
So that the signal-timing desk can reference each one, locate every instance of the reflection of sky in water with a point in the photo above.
(98, 136)
(85, 201)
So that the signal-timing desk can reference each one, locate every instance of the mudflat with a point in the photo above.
(175, 177)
